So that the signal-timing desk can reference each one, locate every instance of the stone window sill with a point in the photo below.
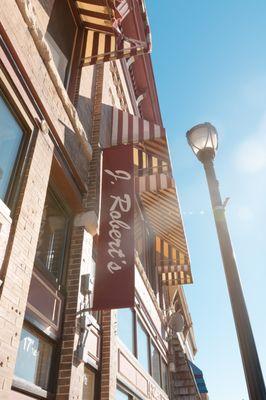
(26, 387)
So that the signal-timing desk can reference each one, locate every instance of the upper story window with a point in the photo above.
(52, 237)
(121, 395)
(125, 328)
(164, 376)
(143, 346)
(155, 364)
(61, 35)
(11, 139)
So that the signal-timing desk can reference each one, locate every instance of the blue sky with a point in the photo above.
(210, 65)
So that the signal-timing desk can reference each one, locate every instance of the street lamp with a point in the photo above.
(203, 139)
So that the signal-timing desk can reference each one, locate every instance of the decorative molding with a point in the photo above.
(44, 127)
(140, 98)
(88, 220)
(29, 15)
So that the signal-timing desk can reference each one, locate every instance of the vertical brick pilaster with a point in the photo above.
(71, 370)
(109, 356)
(69, 327)
(92, 200)
(19, 260)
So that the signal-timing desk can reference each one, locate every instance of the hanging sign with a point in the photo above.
(114, 280)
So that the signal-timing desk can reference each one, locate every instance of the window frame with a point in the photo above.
(27, 387)
(121, 388)
(152, 343)
(96, 385)
(60, 282)
(72, 70)
(134, 342)
(139, 320)
(162, 361)
(18, 111)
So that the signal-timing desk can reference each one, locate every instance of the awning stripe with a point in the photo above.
(130, 129)
(154, 182)
(163, 269)
(176, 278)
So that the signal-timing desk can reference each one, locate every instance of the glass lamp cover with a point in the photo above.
(202, 137)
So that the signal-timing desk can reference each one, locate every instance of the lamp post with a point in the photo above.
(203, 140)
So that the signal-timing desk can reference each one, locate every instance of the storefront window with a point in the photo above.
(125, 327)
(34, 359)
(155, 364)
(164, 376)
(88, 385)
(143, 346)
(52, 237)
(10, 141)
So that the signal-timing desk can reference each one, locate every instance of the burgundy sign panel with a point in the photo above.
(114, 280)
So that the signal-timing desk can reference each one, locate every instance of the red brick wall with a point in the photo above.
(69, 327)
(108, 356)
(92, 199)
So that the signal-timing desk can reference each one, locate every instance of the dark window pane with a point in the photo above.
(61, 35)
(34, 359)
(143, 346)
(164, 377)
(88, 385)
(155, 364)
(125, 327)
(10, 140)
(51, 243)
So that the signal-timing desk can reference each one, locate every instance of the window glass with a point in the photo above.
(125, 327)
(88, 385)
(155, 364)
(61, 36)
(10, 140)
(34, 359)
(164, 376)
(143, 346)
(121, 395)
(52, 237)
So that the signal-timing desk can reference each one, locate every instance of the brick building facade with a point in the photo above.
(68, 69)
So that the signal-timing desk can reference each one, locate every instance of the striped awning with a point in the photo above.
(105, 39)
(154, 186)
(172, 264)
(162, 211)
(130, 129)
(177, 275)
